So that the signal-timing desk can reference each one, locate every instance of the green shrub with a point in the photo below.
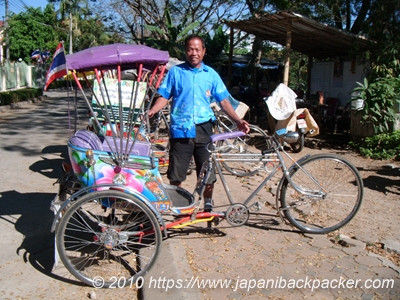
(58, 84)
(66, 84)
(381, 146)
(6, 98)
(380, 99)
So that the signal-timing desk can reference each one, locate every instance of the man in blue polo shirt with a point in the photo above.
(191, 86)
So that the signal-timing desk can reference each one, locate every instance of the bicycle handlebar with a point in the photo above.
(226, 135)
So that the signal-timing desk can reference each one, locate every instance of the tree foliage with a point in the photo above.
(133, 18)
(44, 29)
(215, 45)
(30, 30)
(381, 88)
(173, 40)
(86, 28)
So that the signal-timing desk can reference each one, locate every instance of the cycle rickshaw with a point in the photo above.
(109, 209)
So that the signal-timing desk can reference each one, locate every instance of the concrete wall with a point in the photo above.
(322, 79)
(20, 75)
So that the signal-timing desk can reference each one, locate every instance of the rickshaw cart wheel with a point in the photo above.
(108, 239)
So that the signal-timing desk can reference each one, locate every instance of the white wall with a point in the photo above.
(322, 80)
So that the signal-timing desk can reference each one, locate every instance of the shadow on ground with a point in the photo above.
(33, 223)
(31, 216)
(51, 168)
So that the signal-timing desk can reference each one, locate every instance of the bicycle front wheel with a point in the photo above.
(331, 176)
(252, 143)
(108, 237)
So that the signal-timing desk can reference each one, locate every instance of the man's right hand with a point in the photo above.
(151, 113)
(243, 126)
(158, 105)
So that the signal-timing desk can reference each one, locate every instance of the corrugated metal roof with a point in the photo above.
(308, 36)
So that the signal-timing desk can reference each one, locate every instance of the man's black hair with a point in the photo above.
(195, 36)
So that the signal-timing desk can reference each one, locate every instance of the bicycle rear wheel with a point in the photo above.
(329, 174)
(108, 236)
(253, 142)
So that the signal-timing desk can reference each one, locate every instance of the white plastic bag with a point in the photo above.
(282, 102)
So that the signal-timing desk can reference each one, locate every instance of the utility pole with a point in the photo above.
(6, 31)
(141, 22)
(70, 32)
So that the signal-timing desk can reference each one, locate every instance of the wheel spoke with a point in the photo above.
(337, 189)
(103, 234)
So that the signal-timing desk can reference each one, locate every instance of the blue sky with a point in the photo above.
(17, 6)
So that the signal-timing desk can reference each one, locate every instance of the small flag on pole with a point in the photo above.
(35, 54)
(45, 54)
(58, 67)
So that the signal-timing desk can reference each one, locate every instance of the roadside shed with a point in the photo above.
(298, 33)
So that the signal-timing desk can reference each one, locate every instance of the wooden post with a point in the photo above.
(309, 66)
(230, 61)
(287, 53)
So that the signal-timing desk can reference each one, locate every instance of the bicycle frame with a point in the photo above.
(270, 156)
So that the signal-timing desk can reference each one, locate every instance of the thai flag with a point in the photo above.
(35, 54)
(58, 67)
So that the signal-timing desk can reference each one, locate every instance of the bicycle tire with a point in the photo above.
(108, 235)
(247, 116)
(224, 124)
(253, 142)
(344, 194)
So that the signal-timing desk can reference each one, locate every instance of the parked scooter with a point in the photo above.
(301, 129)
(296, 141)
(298, 122)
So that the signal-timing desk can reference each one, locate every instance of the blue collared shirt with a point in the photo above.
(191, 91)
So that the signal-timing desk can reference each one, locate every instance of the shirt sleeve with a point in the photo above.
(220, 92)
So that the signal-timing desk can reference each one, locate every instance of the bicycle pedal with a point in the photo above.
(216, 221)
(256, 206)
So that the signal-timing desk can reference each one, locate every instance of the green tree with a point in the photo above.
(71, 12)
(129, 17)
(41, 29)
(215, 45)
(76, 8)
(93, 33)
(382, 27)
(172, 38)
(381, 88)
(31, 30)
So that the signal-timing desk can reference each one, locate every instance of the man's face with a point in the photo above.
(195, 52)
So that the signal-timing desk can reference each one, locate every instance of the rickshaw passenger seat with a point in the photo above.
(140, 148)
(87, 139)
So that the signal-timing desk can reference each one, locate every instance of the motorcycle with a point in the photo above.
(301, 129)
(298, 132)
(282, 106)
